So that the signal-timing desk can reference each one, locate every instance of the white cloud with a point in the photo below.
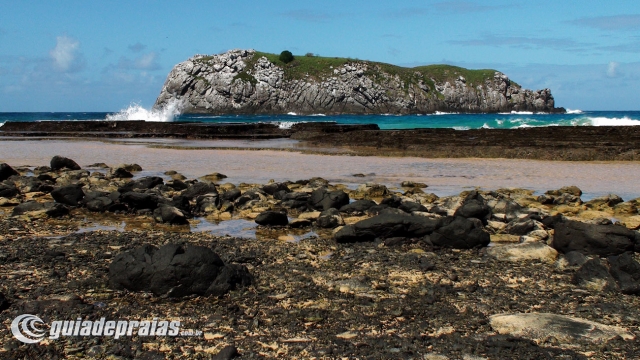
(65, 54)
(612, 69)
(148, 61)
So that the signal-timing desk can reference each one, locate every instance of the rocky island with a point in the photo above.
(252, 82)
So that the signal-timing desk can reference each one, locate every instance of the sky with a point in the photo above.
(103, 56)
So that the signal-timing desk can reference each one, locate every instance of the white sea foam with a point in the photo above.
(603, 121)
(460, 128)
(443, 113)
(287, 124)
(292, 113)
(522, 112)
(486, 126)
(572, 111)
(136, 112)
(317, 115)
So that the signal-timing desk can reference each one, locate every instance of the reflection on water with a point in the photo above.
(444, 176)
(235, 228)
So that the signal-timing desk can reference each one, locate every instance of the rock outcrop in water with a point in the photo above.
(250, 82)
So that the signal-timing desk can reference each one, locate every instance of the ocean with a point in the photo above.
(438, 120)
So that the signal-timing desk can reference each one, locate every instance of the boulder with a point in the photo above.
(411, 184)
(520, 227)
(594, 275)
(474, 206)
(61, 162)
(368, 191)
(33, 207)
(144, 183)
(169, 215)
(69, 195)
(571, 190)
(6, 171)
(130, 167)
(460, 233)
(213, 177)
(231, 195)
(358, 206)
(329, 219)
(8, 191)
(138, 201)
(273, 188)
(99, 204)
(175, 270)
(590, 239)
(411, 206)
(566, 329)
(206, 204)
(120, 173)
(626, 270)
(387, 226)
(199, 188)
(272, 218)
(322, 199)
(177, 185)
(603, 202)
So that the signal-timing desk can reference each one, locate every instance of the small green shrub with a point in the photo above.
(286, 56)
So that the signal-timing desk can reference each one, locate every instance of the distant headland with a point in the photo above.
(253, 82)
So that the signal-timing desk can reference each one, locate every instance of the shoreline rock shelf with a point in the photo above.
(456, 275)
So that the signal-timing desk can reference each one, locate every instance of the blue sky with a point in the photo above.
(102, 56)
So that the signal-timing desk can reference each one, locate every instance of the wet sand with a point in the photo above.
(444, 176)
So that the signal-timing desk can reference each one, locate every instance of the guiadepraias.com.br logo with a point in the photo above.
(31, 329)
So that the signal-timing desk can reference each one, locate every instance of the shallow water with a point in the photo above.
(444, 176)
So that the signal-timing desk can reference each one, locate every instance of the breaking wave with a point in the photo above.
(136, 112)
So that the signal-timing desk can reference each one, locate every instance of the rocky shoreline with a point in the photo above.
(384, 274)
(579, 143)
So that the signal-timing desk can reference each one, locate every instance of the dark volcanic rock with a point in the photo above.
(60, 162)
(460, 233)
(170, 215)
(474, 206)
(594, 275)
(411, 206)
(6, 171)
(602, 240)
(120, 173)
(387, 226)
(206, 203)
(51, 209)
(138, 201)
(8, 191)
(322, 199)
(329, 219)
(175, 270)
(272, 188)
(626, 271)
(519, 227)
(99, 204)
(199, 188)
(575, 258)
(231, 195)
(358, 206)
(144, 183)
(69, 195)
(272, 218)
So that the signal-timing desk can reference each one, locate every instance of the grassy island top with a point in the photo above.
(313, 67)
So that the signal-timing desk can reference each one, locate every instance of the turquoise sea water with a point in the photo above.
(439, 120)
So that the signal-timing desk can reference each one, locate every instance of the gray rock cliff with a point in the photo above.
(247, 82)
